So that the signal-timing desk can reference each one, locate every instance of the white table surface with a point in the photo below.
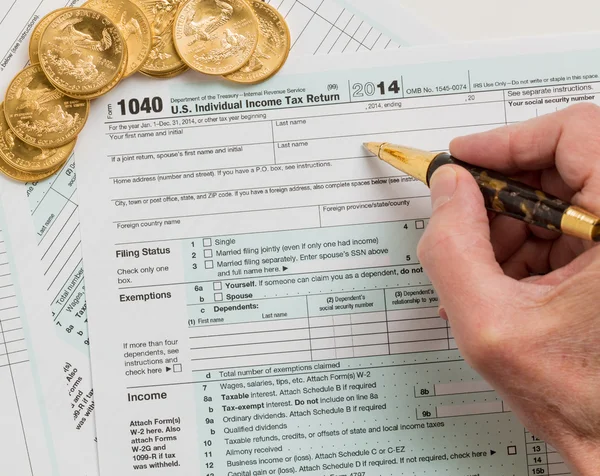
(483, 19)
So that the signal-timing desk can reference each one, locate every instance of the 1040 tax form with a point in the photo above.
(256, 304)
(323, 27)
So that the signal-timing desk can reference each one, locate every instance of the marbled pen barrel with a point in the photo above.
(509, 197)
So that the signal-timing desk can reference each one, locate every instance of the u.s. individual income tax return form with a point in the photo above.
(255, 301)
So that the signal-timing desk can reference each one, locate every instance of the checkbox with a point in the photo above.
(218, 286)
(218, 296)
(207, 242)
(208, 254)
(419, 224)
(208, 264)
(177, 368)
(511, 450)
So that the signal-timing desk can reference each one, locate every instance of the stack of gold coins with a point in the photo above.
(76, 54)
(79, 54)
(246, 41)
(133, 25)
(163, 60)
(39, 126)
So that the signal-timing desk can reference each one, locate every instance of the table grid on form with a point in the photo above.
(54, 211)
(314, 338)
(13, 357)
(13, 350)
(543, 459)
(324, 27)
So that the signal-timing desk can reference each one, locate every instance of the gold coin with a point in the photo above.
(27, 158)
(39, 114)
(106, 89)
(133, 25)
(21, 176)
(273, 49)
(215, 36)
(81, 51)
(172, 74)
(34, 42)
(163, 58)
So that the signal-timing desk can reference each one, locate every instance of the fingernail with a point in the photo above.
(443, 313)
(443, 186)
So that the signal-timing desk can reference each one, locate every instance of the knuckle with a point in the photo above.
(521, 141)
(491, 347)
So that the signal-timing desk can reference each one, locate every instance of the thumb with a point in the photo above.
(455, 250)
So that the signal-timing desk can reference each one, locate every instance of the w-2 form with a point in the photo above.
(256, 304)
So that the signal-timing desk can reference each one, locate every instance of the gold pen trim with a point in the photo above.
(580, 223)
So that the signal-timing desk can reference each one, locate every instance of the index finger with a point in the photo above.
(568, 139)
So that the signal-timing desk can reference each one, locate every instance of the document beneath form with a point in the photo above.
(256, 303)
(342, 26)
(68, 341)
(41, 387)
(36, 434)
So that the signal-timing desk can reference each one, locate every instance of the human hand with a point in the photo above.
(523, 302)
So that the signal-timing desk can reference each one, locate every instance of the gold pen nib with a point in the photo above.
(374, 147)
(413, 162)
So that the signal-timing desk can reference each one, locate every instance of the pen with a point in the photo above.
(501, 194)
